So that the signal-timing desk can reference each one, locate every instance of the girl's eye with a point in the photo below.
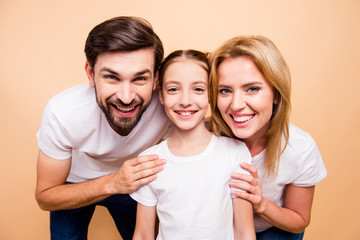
(199, 90)
(172, 90)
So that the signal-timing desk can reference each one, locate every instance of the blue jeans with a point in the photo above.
(278, 234)
(73, 224)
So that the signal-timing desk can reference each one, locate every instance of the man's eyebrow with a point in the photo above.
(142, 72)
(106, 69)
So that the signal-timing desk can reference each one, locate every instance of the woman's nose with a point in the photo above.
(238, 101)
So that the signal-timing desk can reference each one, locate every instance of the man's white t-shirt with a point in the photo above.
(192, 194)
(73, 125)
(300, 165)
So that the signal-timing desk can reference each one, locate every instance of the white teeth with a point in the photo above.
(125, 109)
(243, 118)
(185, 113)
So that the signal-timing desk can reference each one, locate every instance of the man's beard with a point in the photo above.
(122, 125)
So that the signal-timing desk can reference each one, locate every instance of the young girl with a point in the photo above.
(191, 196)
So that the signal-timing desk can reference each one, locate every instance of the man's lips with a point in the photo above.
(125, 110)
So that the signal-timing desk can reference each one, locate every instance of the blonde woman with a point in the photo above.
(250, 100)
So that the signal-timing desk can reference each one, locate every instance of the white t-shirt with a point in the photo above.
(192, 196)
(73, 125)
(300, 165)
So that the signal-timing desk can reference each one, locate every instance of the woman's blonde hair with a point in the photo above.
(272, 65)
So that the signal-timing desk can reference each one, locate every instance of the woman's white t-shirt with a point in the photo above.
(300, 165)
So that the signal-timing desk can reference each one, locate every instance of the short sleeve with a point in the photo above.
(52, 137)
(145, 196)
(242, 154)
(313, 169)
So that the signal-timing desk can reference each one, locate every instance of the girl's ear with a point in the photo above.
(90, 74)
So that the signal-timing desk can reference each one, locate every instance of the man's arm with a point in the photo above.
(53, 194)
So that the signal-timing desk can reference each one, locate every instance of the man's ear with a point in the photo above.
(90, 74)
(156, 79)
(161, 98)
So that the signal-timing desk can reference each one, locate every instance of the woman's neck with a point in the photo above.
(189, 142)
(257, 142)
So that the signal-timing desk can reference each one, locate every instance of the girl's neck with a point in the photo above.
(189, 142)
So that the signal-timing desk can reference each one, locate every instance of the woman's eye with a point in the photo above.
(224, 91)
(253, 89)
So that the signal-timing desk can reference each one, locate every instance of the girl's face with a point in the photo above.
(245, 99)
(184, 93)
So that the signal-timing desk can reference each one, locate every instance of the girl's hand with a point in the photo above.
(251, 185)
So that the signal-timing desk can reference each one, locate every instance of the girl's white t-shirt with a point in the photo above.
(192, 194)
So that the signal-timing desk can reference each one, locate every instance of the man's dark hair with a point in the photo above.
(123, 34)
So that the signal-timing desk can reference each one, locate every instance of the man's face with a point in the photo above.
(123, 83)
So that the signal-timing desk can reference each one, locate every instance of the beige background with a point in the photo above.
(41, 53)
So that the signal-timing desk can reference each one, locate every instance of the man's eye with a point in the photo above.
(110, 77)
(140, 79)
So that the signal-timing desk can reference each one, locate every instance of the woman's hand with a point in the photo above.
(251, 185)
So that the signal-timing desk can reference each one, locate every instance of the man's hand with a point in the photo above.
(137, 172)
(53, 194)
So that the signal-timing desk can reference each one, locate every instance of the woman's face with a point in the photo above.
(245, 99)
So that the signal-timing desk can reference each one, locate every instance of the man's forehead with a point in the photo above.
(128, 63)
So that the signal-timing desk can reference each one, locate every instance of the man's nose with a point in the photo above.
(125, 93)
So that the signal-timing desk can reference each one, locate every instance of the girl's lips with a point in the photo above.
(185, 114)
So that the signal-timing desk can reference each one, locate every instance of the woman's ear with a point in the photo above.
(276, 97)
(90, 74)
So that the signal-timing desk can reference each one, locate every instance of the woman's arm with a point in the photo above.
(145, 223)
(243, 220)
(293, 217)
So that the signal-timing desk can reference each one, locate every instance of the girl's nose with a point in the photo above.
(185, 99)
